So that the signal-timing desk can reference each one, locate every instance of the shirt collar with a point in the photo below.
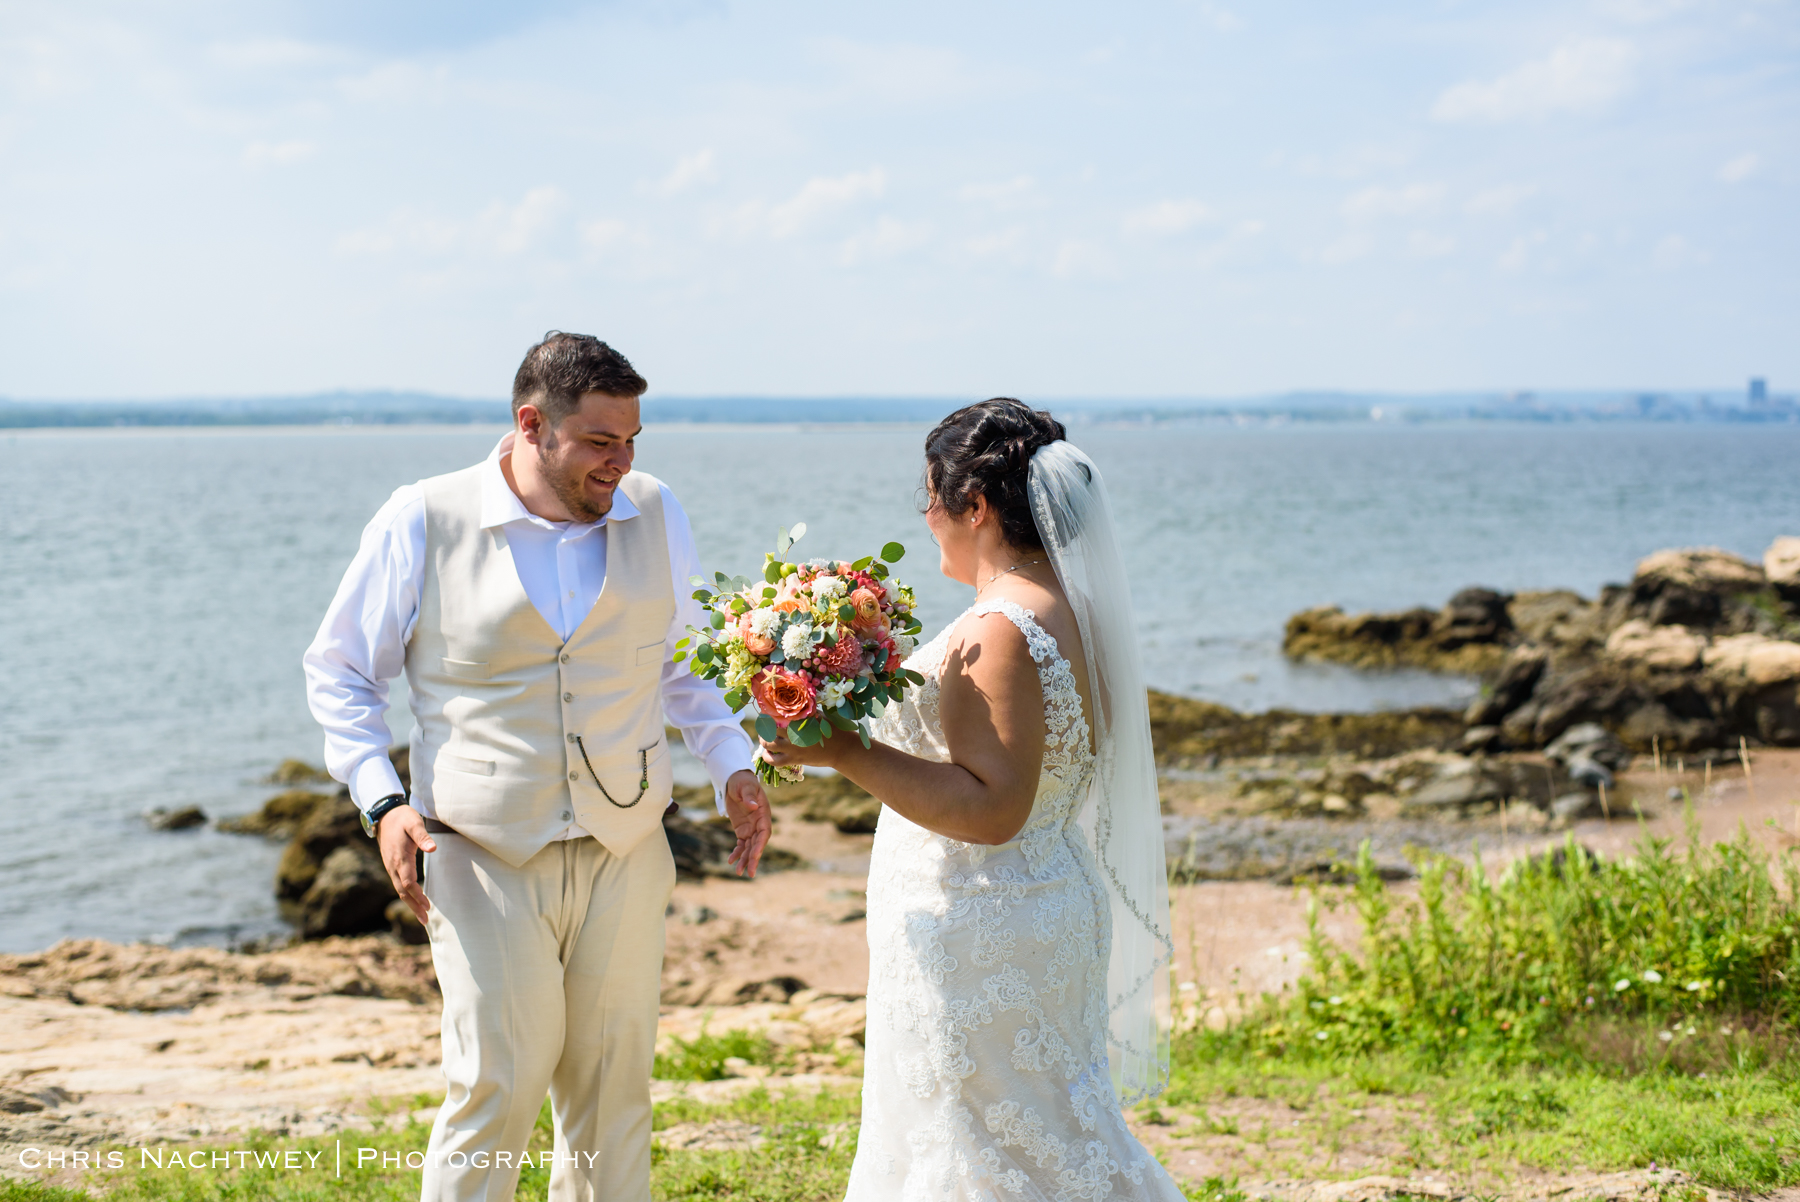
(500, 505)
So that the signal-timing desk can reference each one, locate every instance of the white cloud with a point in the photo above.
(1517, 256)
(822, 194)
(888, 238)
(1423, 244)
(1741, 168)
(1002, 242)
(601, 233)
(1220, 17)
(1350, 247)
(500, 229)
(1578, 76)
(1017, 193)
(1371, 203)
(262, 54)
(277, 154)
(1674, 252)
(693, 170)
(1076, 259)
(1167, 217)
(1499, 202)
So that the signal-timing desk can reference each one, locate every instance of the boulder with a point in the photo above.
(1781, 565)
(1693, 587)
(332, 824)
(1475, 615)
(279, 817)
(1589, 741)
(405, 924)
(349, 895)
(296, 772)
(1758, 679)
(1556, 618)
(1469, 635)
(179, 819)
(1638, 644)
(1518, 676)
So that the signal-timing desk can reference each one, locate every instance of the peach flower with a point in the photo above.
(868, 610)
(783, 695)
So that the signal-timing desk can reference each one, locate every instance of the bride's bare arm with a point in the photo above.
(992, 706)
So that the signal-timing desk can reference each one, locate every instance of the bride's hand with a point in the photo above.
(784, 754)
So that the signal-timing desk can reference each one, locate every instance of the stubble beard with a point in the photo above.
(567, 484)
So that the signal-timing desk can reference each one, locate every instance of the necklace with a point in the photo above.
(1003, 572)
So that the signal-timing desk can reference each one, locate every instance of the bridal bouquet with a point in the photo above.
(817, 646)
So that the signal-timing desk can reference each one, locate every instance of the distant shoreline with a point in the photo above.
(368, 410)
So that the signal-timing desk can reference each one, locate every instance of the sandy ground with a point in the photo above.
(296, 1060)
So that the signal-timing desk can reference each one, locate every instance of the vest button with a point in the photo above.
(571, 738)
(568, 696)
(574, 776)
(566, 815)
(565, 658)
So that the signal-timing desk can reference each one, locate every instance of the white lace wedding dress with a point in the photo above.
(985, 1074)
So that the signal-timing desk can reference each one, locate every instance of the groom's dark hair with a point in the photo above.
(985, 450)
(558, 370)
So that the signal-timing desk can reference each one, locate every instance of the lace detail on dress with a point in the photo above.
(986, 1070)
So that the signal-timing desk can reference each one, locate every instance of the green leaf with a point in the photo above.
(768, 594)
(678, 657)
(723, 580)
(704, 653)
(895, 692)
(912, 676)
(718, 621)
(862, 564)
(878, 570)
(766, 728)
(846, 612)
(772, 571)
(893, 552)
(800, 736)
(782, 543)
(702, 596)
(864, 736)
(682, 643)
(736, 698)
(799, 533)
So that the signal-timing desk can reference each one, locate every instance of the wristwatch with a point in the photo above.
(378, 811)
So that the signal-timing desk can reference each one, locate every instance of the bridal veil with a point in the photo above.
(1123, 814)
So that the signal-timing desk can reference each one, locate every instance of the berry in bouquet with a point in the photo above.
(817, 646)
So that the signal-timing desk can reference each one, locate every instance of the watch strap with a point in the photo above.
(375, 813)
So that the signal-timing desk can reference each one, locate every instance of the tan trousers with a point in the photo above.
(551, 975)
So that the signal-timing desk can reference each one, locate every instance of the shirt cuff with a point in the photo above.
(373, 779)
(732, 755)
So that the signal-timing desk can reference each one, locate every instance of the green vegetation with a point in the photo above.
(1577, 1011)
(704, 1058)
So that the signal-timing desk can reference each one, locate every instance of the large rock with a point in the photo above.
(179, 819)
(1468, 636)
(1781, 565)
(1511, 688)
(1699, 587)
(1758, 679)
(1557, 618)
(1186, 732)
(350, 895)
(1638, 644)
(279, 817)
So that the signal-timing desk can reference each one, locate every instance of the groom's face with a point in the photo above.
(588, 453)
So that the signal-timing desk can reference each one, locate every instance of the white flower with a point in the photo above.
(833, 692)
(890, 590)
(827, 587)
(764, 622)
(904, 644)
(1652, 976)
(796, 641)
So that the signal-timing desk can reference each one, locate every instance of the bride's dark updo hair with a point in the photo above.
(985, 450)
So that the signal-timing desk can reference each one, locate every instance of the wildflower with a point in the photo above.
(1621, 985)
(762, 621)
(832, 693)
(825, 588)
(1652, 976)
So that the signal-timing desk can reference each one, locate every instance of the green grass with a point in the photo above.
(703, 1058)
(809, 1143)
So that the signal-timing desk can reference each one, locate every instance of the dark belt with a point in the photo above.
(437, 828)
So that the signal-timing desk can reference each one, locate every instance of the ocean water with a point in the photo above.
(158, 587)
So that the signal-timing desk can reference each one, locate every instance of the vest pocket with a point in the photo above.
(650, 653)
(466, 669)
(457, 763)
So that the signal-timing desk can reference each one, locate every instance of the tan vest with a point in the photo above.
(500, 699)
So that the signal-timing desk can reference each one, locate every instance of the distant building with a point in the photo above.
(1759, 391)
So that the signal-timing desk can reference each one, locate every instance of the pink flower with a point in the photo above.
(756, 644)
(845, 658)
(868, 610)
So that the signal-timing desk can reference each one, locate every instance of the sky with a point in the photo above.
(1185, 198)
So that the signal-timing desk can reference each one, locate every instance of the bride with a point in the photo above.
(1018, 907)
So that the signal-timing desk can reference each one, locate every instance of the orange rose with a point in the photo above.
(783, 695)
(756, 644)
(868, 610)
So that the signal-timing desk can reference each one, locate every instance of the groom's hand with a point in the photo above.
(748, 808)
(401, 835)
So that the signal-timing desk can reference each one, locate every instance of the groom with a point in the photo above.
(532, 600)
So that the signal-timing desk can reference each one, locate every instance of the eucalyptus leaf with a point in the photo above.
(704, 653)
(893, 552)
(678, 657)
(862, 564)
(718, 621)
(864, 736)
(846, 612)
(912, 676)
(799, 533)
(766, 728)
(682, 643)
(772, 571)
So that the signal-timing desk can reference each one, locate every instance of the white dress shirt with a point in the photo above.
(361, 644)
